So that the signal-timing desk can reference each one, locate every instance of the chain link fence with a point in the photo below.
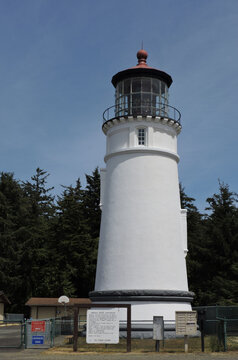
(11, 334)
(221, 324)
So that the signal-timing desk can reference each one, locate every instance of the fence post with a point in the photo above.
(202, 334)
(225, 335)
(25, 334)
(129, 328)
(22, 333)
(52, 332)
(202, 317)
(76, 314)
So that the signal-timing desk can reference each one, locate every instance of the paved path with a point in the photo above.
(36, 354)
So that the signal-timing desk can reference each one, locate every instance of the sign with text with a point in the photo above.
(37, 340)
(102, 326)
(38, 326)
(186, 322)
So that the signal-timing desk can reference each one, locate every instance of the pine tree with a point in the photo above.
(221, 261)
(196, 247)
(91, 201)
(12, 217)
(74, 255)
(34, 253)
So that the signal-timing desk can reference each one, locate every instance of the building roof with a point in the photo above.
(3, 298)
(34, 301)
(141, 70)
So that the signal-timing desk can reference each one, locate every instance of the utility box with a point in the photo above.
(186, 322)
(158, 328)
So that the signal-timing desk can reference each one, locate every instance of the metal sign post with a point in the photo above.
(186, 343)
(158, 331)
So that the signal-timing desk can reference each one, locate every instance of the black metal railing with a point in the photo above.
(160, 110)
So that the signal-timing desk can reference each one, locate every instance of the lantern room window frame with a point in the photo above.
(141, 96)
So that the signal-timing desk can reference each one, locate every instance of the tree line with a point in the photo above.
(48, 245)
(212, 260)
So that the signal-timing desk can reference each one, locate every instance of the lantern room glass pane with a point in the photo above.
(146, 85)
(162, 88)
(127, 86)
(146, 99)
(136, 104)
(127, 105)
(119, 88)
(136, 100)
(136, 85)
(156, 86)
(146, 104)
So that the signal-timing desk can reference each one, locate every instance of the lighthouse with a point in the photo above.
(143, 235)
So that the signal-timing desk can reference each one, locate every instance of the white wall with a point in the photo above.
(146, 310)
(123, 136)
(141, 244)
(102, 186)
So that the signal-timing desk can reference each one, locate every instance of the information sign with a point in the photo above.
(102, 326)
(158, 328)
(38, 326)
(37, 340)
(186, 322)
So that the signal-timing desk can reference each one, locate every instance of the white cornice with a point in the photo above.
(144, 150)
(162, 120)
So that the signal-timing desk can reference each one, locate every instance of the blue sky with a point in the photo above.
(57, 60)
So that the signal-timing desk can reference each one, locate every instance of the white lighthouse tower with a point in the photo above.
(143, 237)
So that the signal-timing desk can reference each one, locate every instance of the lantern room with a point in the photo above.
(142, 91)
(141, 96)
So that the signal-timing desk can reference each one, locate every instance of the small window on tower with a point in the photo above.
(141, 136)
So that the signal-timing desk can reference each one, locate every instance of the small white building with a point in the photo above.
(143, 236)
(46, 308)
(3, 301)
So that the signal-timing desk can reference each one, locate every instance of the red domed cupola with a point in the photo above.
(142, 69)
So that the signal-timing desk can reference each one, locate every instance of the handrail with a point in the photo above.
(149, 109)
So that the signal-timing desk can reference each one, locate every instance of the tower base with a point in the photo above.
(146, 303)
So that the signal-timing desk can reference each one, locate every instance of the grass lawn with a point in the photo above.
(148, 345)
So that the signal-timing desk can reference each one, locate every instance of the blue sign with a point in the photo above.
(37, 340)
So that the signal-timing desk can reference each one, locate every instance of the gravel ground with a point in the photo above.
(36, 354)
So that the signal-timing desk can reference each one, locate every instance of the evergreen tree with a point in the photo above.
(221, 260)
(47, 250)
(34, 254)
(13, 213)
(91, 201)
(196, 247)
(74, 255)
